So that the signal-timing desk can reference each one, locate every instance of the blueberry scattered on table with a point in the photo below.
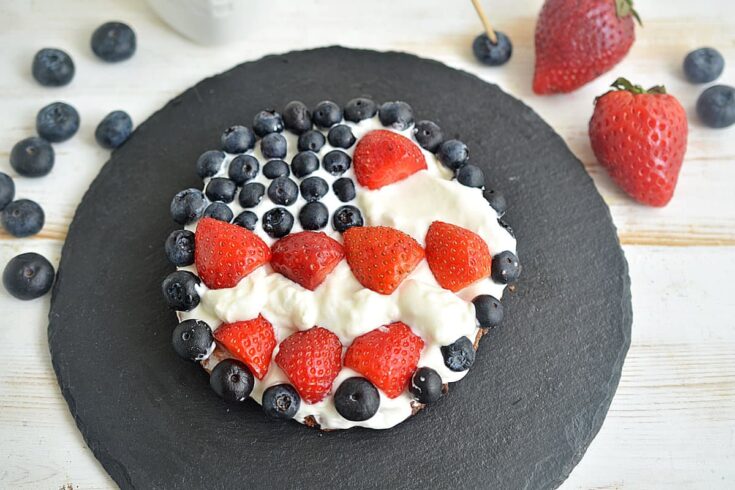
(490, 53)
(237, 139)
(471, 176)
(396, 115)
(243, 168)
(277, 222)
(313, 188)
(497, 201)
(32, 157)
(114, 129)
(356, 399)
(506, 227)
(313, 216)
(297, 117)
(344, 189)
(180, 248)
(28, 276)
(7, 190)
(188, 206)
(283, 191)
(311, 140)
(428, 135)
(273, 145)
(453, 154)
(209, 163)
(340, 136)
(221, 189)
(281, 401)
(57, 122)
(113, 41)
(246, 219)
(219, 211)
(326, 114)
(336, 162)
(460, 355)
(52, 67)
(179, 290)
(267, 122)
(505, 267)
(192, 340)
(488, 311)
(304, 163)
(251, 194)
(359, 109)
(276, 168)
(22, 218)
(716, 106)
(346, 217)
(426, 385)
(232, 380)
(703, 65)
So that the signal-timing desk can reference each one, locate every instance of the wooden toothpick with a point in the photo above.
(485, 22)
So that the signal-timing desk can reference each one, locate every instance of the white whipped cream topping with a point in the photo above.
(341, 304)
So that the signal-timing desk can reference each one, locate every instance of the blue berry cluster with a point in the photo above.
(716, 105)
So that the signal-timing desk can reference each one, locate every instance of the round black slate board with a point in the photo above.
(522, 418)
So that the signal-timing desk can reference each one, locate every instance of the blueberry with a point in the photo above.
(344, 189)
(453, 154)
(716, 106)
(304, 163)
(340, 136)
(221, 189)
(22, 218)
(312, 140)
(237, 139)
(296, 117)
(281, 402)
(276, 168)
(360, 109)
(346, 217)
(507, 227)
(246, 219)
(505, 267)
(266, 122)
(497, 201)
(490, 53)
(273, 145)
(179, 290)
(114, 130)
(426, 385)
(219, 211)
(192, 340)
(232, 381)
(57, 122)
(471, 176)
(277, 222)
(283, 191)
(243, 168)
(356, 399)
(113, 41)
(32, 157)
(703, 65)
(187, 206)
(180, 248)
(210, 163)
(460, 355)
(251, 194)
(314, 216)
(488, 311)
(28, 276)
(52, 67)
(428, 135)
(326, 114)
(336, 162)
(397, 115)
(314, 188)
(7, 190)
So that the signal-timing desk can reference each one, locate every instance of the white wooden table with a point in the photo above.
(672, 422)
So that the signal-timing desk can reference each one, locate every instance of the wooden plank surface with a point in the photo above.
(672, 422)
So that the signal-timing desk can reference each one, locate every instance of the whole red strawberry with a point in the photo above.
(251, 341)
(383, 157)
(225, 253)
(640, 137)
(457, 257)
(381, 257)
(306, 257)
(387, 356)
(311, 359)
(579, 40)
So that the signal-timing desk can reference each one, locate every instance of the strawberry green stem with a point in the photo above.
(625, 8)
(625, 84)
(485, 22)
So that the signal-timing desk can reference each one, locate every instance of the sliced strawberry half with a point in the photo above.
(457, 257)
(381, 257)
(311, 359)
(225, 253)
(306, 257)
(383, 157)
(387, 356)
(251, 341)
